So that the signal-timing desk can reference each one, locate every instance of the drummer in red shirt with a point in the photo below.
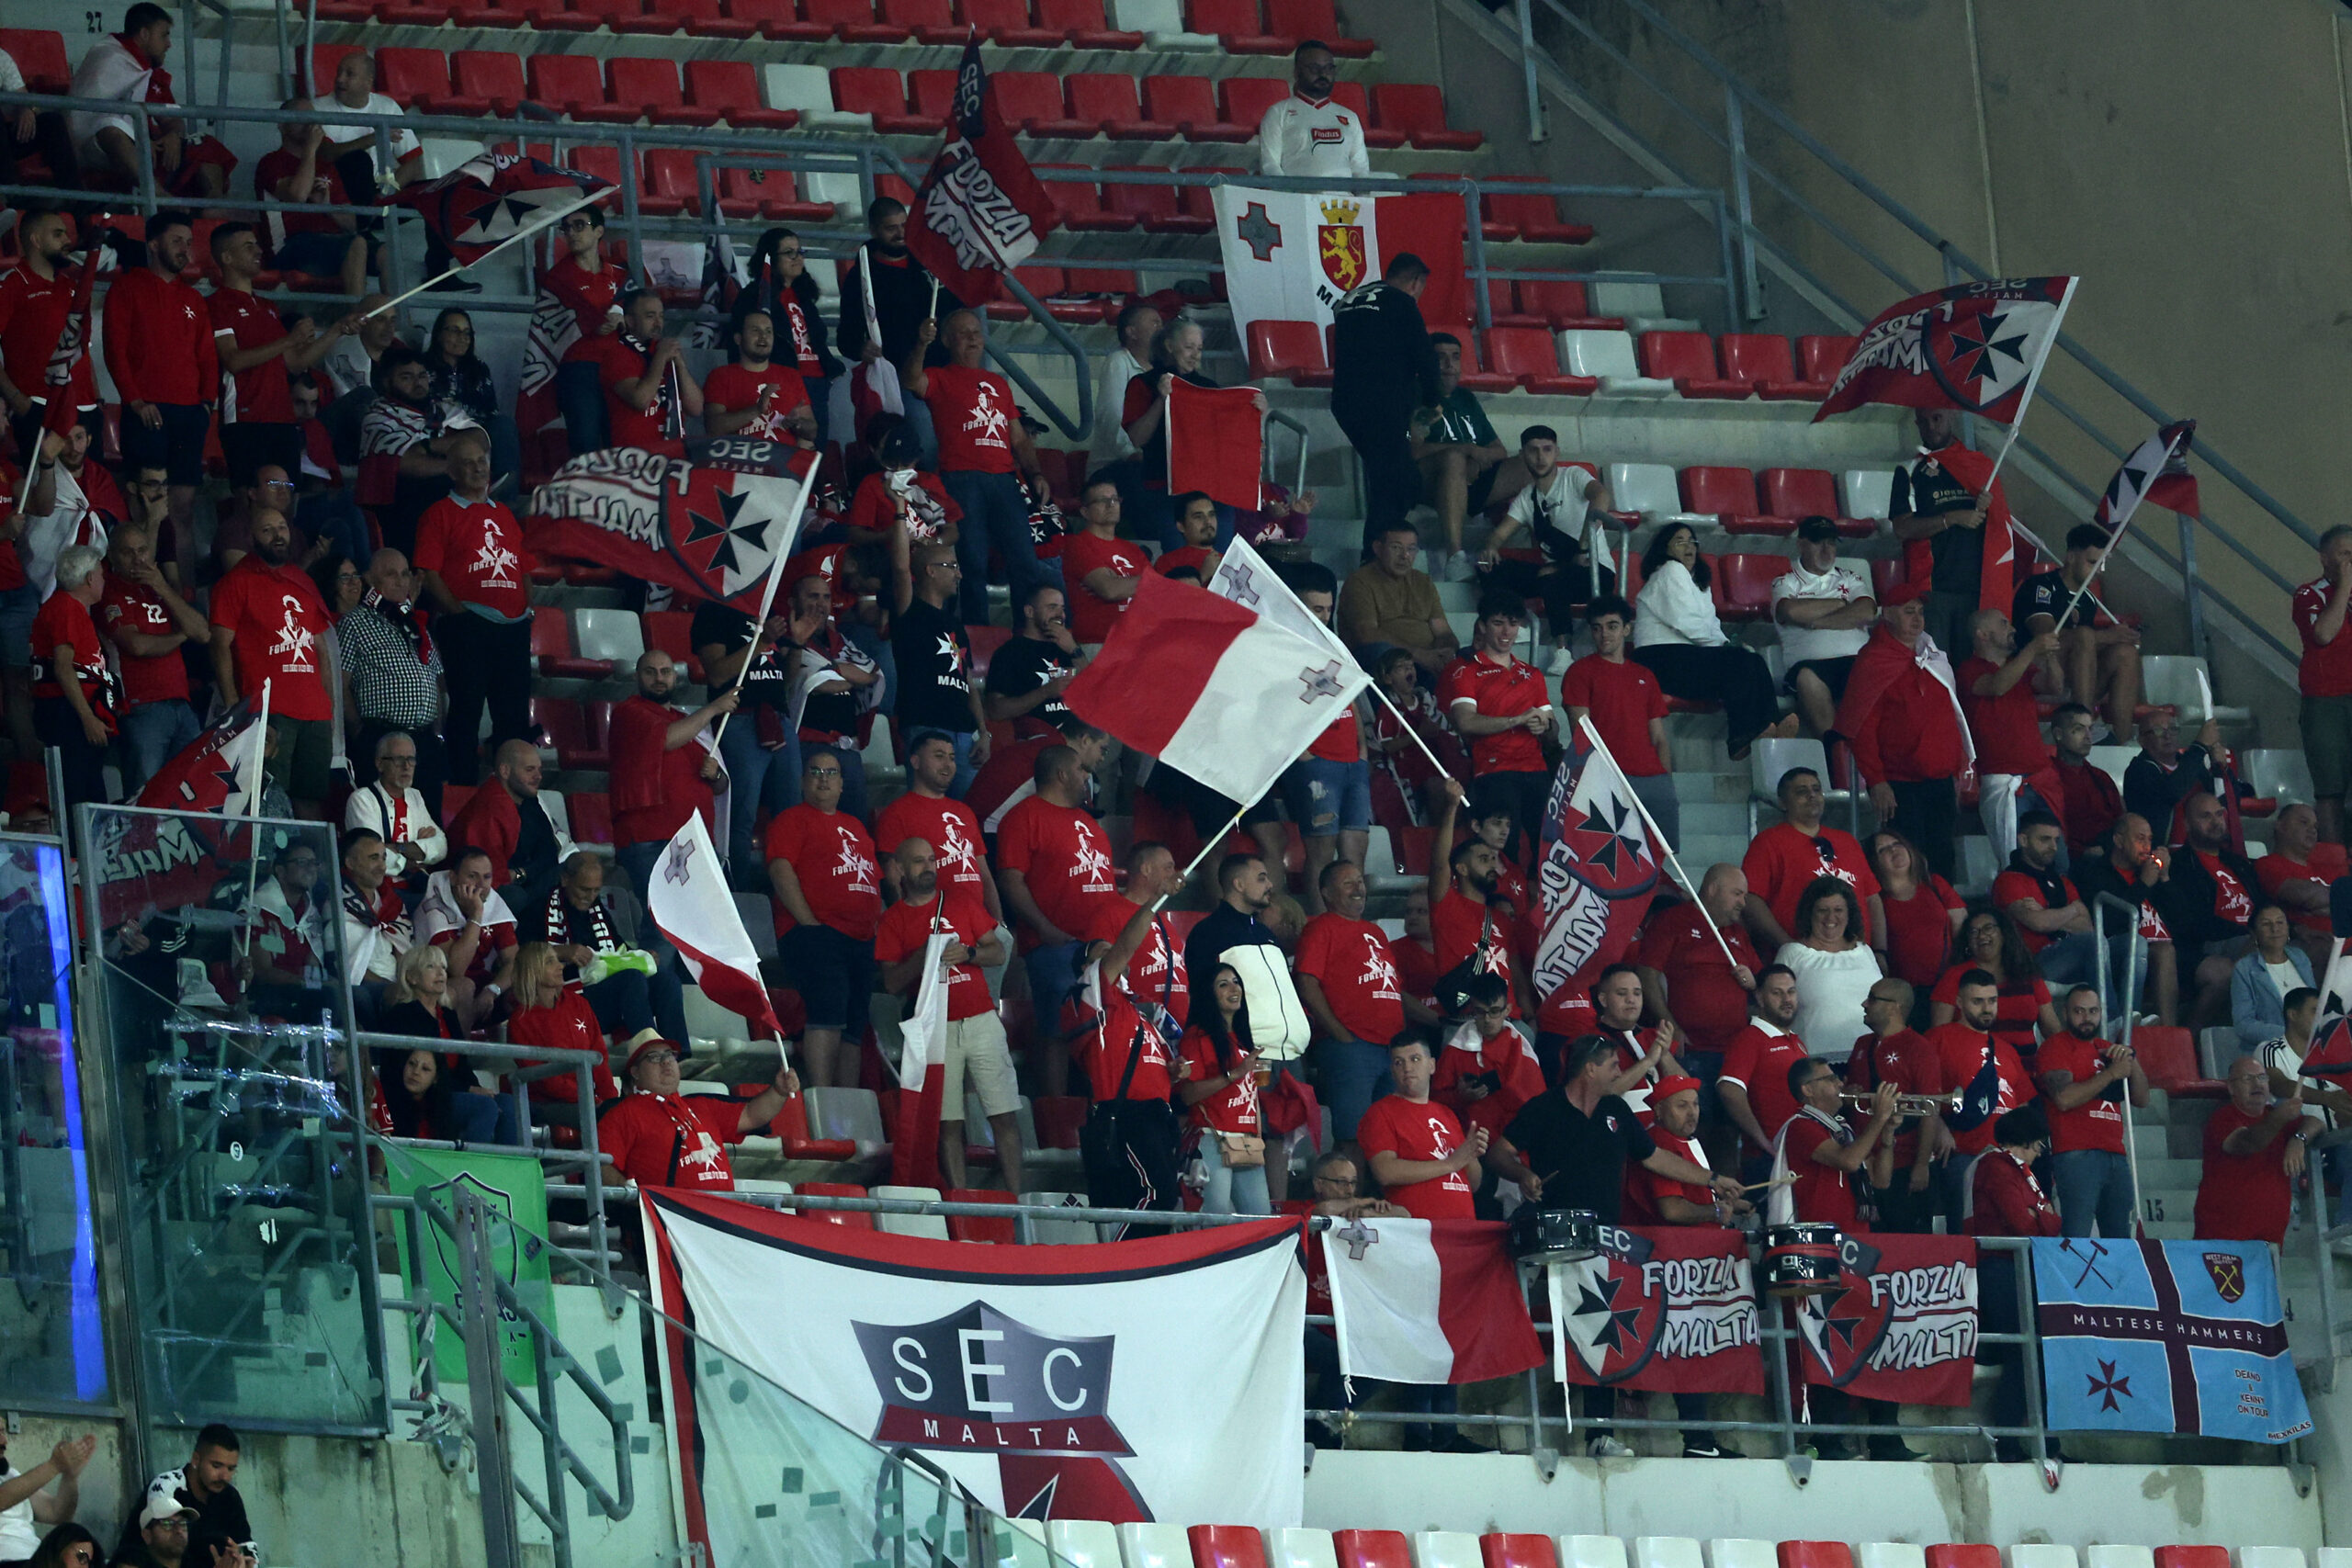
(657, 1137)
(2256, 1152)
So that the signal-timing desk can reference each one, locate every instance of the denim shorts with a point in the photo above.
(1326, 797)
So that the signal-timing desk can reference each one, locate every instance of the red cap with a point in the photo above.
(1904, 592)
(1666, 1088)
(648, 1043)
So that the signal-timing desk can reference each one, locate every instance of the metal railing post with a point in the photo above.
(1474, 229)
(485, 1378)
(1537, 132)
(557, 1510)
(2193, 593)
(2030, 1349)
(1736, 131)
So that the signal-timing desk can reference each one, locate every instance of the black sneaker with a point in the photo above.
(459, 284)
(1702, 1450)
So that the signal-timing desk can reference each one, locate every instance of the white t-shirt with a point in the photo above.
(19, 1532)
(1110, 443)
(1561, 509)
(1308, 138)
(1839, 583)
(404, 141)
(1830, 989)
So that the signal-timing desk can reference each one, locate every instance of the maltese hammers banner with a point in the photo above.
(1141, 1380)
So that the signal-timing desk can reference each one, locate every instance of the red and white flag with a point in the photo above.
(696, 909)
(1291, 256)
(1977, 347)
(1216, 443)
(923, 1074)
(1422, 1302)
(1212, 688)
(981, 212)
(2157, 471)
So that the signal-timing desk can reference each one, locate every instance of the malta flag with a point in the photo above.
(1422, 1302)
(1290, 255)
(1598, 873)
(2158, 471)
(1211, 688)
(1216, 443)
(1977, 347)
(696, 909)
(923, 1075)
(980, 212)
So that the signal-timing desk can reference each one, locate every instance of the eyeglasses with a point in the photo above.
(824, 772)
(574, 226)
(302, 862)
(275, 484)
(653, 1058)
(793, 254)
(347, 577)
(1496, 1013)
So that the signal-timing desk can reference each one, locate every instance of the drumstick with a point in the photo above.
(1776, 1181)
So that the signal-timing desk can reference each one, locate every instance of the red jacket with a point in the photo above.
(490, 823)
(158, 341)
(2004, 1199)
(1899, 717)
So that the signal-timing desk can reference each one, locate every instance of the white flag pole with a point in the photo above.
(2108, 554)
(1600, 748)
(253, 808)
(2032, 380)
(553, 217)
(768, 593)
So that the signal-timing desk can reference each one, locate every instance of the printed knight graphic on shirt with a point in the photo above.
(990, 419)
(494, 563)
(958, 858)
(1379, 971)
(294, 640)
(702, 1151)
(1092, 863)
(856, 865)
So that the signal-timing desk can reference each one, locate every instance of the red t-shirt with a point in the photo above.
(1783, 862)
(1759, 1060)
(2097, 1123)
(1091, 616)
(64, 620)
(2004, 1199)
(2326, 667)
(278, 620)
(1342, 740)
(1353, 962)
(2091, 806)
(644, 429)
(1459, 928)
(589, 296)
(732, 388)
(258, 396)
(2017, 887)
(1708, 1002)
(2327, 863)
(568, 1023)
(1496, 691)
(1823, 1194)
(906, 927)
(2232, 899)
(834, 860)
(158, 341)
(2016, 1018)
(156, 678)
(655, 787)
(1919, 930)
(1905, 1060)
(1961, 1051)
(1105, 1051)
(280, 165)
(1234, 1109)
(1624, 698)
(670, 1141)
(1060, 851)
(1644, 1186)
(31, 315)
(1424, 1133)
(873, 508)
(1156, 974)
(974, 413)
(2243, 1197)
(477, 547)
(947, 825)
(2007, 729)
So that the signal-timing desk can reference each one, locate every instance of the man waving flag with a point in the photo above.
(1977, 347)
(691, 904)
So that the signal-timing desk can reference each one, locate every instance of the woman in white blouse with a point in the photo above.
(1835, 969)
(1678, 638)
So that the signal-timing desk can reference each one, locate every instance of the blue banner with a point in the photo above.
(2166, 1337)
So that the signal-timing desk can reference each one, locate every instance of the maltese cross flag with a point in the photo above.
(696, 909)
(488, 200)
(1976, 347)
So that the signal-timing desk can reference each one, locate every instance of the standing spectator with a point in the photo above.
(951, 827)
(1388, 602)
(1100, 569)
(1465, 923)
(1892, 1054)
(2092, 802)
(648, 393)
(2297, 873)
(1348, 982)
(2001, 1197)
(661, 771)
(1155, 979)
(2164, 774)
(1754, 1085)
(1219, 1088)
(2085, 1078)
(2133, 868)
(1654, 1200)
(1965, 1044)
(579, 299)
(1683, 960)
(827, 903)
(657, 1137)
(462, 379)
(27, 1498)
(148, 623)
(1236, 932)
(1457, 452)
(35, 303)
(1415, 1145)
(1901, 715)
(158, 349)
(593, 928)
(898, 494)
(1563, 507)
(1821, 1152)
(757, 396)
(1328, 790)
(395, 667)
(833, 685)
(1175, 356)
(1383, 368)
(1306, 135)
(976, 1048)
(1951, 530)
(462, 912)
(781, 286)
(2325, 678)
(761, 754)
(350, 367)
(2053, 919)
(1679, 636)
(2248, 1191)
(936, 689)
(1404, 786)
(887, 301)
(129, 67)
(395, 810)
(2284, 1056)
(1923, 915)
(2004, 722)
(76, 694)
(268, 624)
(1128, 1145)
(405, 443)
(297, 172)
(1991, 943)
(2210, 907)
(2093, 664)
(1052, 863)
(1502, 704)
(505, 821)
(375, 929)
(257, 352)
(985, 458)
(1835, 969)
(1109, 451)
(1825, 611)
(1784, 859)
(1029, 671)
(551, 1013)
(74, 501)
(1626, 704)
(476, 570)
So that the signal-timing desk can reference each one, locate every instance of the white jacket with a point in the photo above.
(1673, 609)
(1308, 138)
(405, 820)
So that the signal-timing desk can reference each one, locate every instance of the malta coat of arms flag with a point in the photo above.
(1291, 255)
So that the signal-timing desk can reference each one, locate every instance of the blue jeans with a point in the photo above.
(630, 999)
(636, 862)
(333, 514)
(1051, 980)
(483, 1119)
(153, 734)
(996, 512)
(1232, 1192)
(580, 399)
(1328, 798)
(1355, 1072)
(2092, 1185)
(926, 430)
(966, 770)
(756, 777)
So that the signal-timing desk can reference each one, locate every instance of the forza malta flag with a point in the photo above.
(706, 530)
(1130, 1382)
(2166, 1337)
(2156, 472)
(1212, 688)
(1291, 255)
(488, 200)
(1977, 347)
(1598, 873)
(1671, 1310)
(1902, 1324)
(690, 900)
(979, 211)
(1426, 1301)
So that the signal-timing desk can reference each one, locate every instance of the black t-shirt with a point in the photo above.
(1019, 668)
(934, 669)
(1959, 552)
(829, 713)
(765, 683)
(1581, 1158)
(1143, 390)
(2043, 593)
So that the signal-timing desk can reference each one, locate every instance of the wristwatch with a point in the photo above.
(2301, 1137)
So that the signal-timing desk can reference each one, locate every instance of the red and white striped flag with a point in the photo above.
(923, 1075)
(691, 904)
(1422, 1302)
(1212, 688)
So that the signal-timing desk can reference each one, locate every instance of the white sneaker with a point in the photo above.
(1606, 1447)
(1460, 568)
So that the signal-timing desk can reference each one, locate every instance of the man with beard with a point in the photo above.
(756, 398)
(1754, 1085)
(219, 1536)
(161, 1541)
(2079, 1073)
(1965, 1048)
(660, 775)
(2089, 801)
(148, 623)
(1462, 924)
(1027, 674)
(951, 827)
(407, 437)
(269, 625)
(975, 1046)
(2134, 867)
(648, 393)
(1895, 1053)
(986, 459)
(505, 820)
(904, 301)
(476, 571)
(2210, 906)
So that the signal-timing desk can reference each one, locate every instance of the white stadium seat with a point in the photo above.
(1866, 494)
(2041, 1556)
(1667, 1552)
(1155, 1546)
(1741, 1554)
(1591, 1552)
(1445, 1549)
(934, 1226)
(1642, 305)
(615, 636)
(1296, 1548)
(1654, 490)
(1610, 356)
(2280, 772)
(1768, 760)
(2112, 759)
(2116, 1556)
(1893, 1554)
(1083, 1543)
(2291, 1557)
(2170, 680)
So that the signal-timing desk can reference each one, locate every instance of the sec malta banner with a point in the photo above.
(1289, 255)
(1669, 1311)
(1134, 1382)
(2166, 1337)
(1902, 1324)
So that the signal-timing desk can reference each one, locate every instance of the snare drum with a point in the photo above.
(1553, 1235)
(1801, 1260)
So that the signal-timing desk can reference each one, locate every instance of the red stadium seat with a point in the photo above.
(1372, 1549)
(1082, 205)
(1822, 357)
(931, 94)
(1536, 214)
(1246, 99)
(979, 1227)
(851, 1219)
(1226, 1545)
(325, 59)
(1189, 103)
(1083, 23)
(1562, 305)
(1155, 207)
(1236, 24)
(1527, 356)
(1821, 1554)
(1501, 1551)
(1743, 584)
(1972, 1554)
(1105, 281)
(1113, 105)
(1068, 122)
(1798, 492)
(671, 15)
(852, 21)
(1502, 305)
(710, 18)
(1006, 23)
(39, 54)
(774, 19)
(2170, 1056)
(730, 89)
(1058, 1118)
(1290, 350)
(415, 76)
(1725, 491)
(492, 77)
(773, 193)
(573, 84)
(1418, 109)
(1350, 96)
(454, 798)
(672, 631)
(929, 21)
(551, 646)
(1296, 21)
(1028, 98)
(2193, 1557)
(1686, 359)
(986, 640)
(1763, 359)
(583, 16)
(652, 86)
(876, 90)
(1884, 574)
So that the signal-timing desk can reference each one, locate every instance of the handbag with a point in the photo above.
(1098, 1136)
(1242, 1151)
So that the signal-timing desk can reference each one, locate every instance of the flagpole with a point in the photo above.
(2123, 525)
(554, 217)
(768, 593)
(2031, 381)
(252, 807)
(2131, 1139)
(1600, 747)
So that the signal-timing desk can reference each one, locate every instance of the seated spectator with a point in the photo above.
(1922, 912)
(756, 397)
(628, 975)
(291, 935)
(2256, 1151)
(394, 810)
(2260, 983)
(1892, 1052)
(2095, 660)
(1390, 603)
(985, 458)
(375, 929)
(417, 1003)
(1563, 507)
(2211, 902)
(160, 1537)
(1196, 526)
(2091, 801)
(205, 1485)
(505, 821)
(1825, 613)
(1457, 452)
(2297, 873)
(43, 134)
(405, 443)
(2003, 1198)
(648, 393)
(578, 299)
(476, 572)
(2053, 919)
(2131, 867)
(2164, 774)
(299, 172)
(936, 690)
(1488, 1067)
(320, 483)
(1219, 1090)
(1754, 1085)
(828, 902)
(662, 773)
(1100, 569)
(1679, 636)
(1028, 673)
(461, 379)
(462, 912)
(1784, 859)
(1990, 942)
(1626, 704)
(1996, 697)
(129, 66)
(553, 1015)
(393, 663)
(76, 694)
(350, 370)
(1833, 968)
(656, 1137)
(28, 1499)
(416, 1095)
(36, 295)
(1683, 959)
(478, 1109)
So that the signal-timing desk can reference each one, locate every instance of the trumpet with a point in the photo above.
(1905, 1104)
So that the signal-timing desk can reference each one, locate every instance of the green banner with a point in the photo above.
(511, 1185)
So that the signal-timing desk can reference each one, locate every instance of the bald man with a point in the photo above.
(976, 1052)
(660, 774)
(1705, 992)
(505, 820)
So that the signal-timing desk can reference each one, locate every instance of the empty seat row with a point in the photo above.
(1578, 361)
(1010, 23)
(1740, 502)
(1752, 364)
